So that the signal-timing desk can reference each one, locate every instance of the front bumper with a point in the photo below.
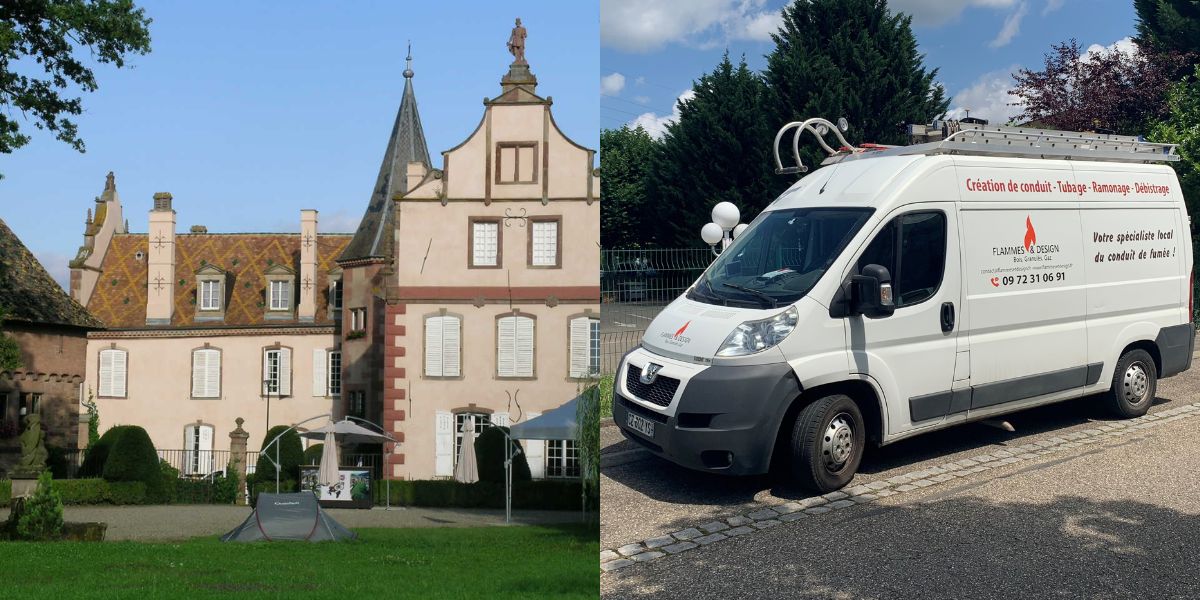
(721, 418)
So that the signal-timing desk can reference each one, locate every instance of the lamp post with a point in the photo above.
(724, 227)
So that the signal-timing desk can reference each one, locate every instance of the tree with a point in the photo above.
(718, 150)
(1182, 126)
(1107, 90)
(40, 70)
(1168, 26)
(853, 59)
(627, 154)
(10, 352)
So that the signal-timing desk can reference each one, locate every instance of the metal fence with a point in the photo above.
(199, 463)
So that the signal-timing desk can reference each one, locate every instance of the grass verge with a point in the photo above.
(493, 562)
(606, 395)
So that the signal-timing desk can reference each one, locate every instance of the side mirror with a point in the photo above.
(871, 292)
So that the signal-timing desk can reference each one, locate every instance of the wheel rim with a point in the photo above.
(1135, 385)
(837, 444)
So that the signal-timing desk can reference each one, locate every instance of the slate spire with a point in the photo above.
(373, 239)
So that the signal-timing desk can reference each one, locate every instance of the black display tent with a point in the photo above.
(295, 516)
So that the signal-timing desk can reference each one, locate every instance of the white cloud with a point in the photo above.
(640, 26)
(1011, 27)
(612, 84)
(656, 125)
(1052, 5)
(642, 99)
(640, 80)
(58, 265)
(1124, 45)
(987, 98)
(934, 13)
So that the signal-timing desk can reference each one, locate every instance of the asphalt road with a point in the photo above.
(1112, 519)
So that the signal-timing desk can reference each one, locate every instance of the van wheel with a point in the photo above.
(827, 443)
(1134, 384)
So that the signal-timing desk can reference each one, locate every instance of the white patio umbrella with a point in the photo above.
(350, 432)
(467, 470)
(327, 475)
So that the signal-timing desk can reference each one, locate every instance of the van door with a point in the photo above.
(911, 353)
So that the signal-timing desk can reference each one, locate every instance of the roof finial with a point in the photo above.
(89, 217)
(109, 182)
(408, 72)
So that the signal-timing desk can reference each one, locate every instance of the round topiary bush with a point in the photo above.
(291, 456)
(40, 517)
(489, 453)
(97, 455)
(312, 454)
(133, 458)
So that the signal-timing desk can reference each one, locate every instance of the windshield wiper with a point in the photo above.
(710, 294)
(767, 297)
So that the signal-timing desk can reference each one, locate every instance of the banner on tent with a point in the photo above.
(352, 490)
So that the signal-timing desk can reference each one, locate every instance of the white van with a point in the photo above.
(903, 290)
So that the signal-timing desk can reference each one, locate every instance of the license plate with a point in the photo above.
(640, 424)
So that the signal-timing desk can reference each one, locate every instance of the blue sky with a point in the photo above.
(249, 112)
(652, 50)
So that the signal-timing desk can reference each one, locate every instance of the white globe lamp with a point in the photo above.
(711, 234)
(726, 215)
(739, 229)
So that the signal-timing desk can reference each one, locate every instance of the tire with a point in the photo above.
(1134, 384)
(827, 443)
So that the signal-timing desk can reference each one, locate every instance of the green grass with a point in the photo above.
(606, 395)
(493, 562)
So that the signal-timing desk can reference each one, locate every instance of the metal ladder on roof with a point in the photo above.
(954, 137)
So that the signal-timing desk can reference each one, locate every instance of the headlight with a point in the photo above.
(756, 336)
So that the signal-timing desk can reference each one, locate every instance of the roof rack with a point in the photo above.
(956, 137)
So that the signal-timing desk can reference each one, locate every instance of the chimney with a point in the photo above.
(307, 309)
(160, 280)
(416, 172)
(199, 229)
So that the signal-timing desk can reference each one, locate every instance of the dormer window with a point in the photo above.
(210, 293)
(335, 292)
(281, 282)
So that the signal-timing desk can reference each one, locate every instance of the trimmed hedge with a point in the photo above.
(291, 455)
(88, 491)
(133, 458)
(93, 461)
(312, 454)
(489, 453)
(543, 495)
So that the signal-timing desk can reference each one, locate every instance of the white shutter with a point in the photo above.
(285, 371)
(199, 373)
(524, 367)
(266, 372)
(535, 453)
(506, 347)
(189, 449)
(451, 346)
(319, 375)
(581, 337)
(205, 458)
(444, 444)
(500, 419)
(106, 373)
(119, 366)
(433, 347)
(212, 377)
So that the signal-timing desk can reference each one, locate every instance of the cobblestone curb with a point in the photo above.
(772, 515)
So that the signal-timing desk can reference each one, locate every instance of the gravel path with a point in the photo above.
(176, 522)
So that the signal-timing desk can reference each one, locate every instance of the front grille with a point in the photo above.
(659, 393)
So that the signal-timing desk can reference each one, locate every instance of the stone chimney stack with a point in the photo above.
(414, 175)
(307, 309)
(160, 280)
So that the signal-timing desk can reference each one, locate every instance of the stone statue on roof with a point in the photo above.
(516, 43)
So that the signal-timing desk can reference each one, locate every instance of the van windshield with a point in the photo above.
(780, 257)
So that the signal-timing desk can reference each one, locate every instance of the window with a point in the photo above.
(113, 371)
(281, 295)
(33, 403)
(4, 405)
(198, 449)
(585, 347)
(206, 373)
(460, 421)
(358, 319)
(514, 346)
(210, 295)
(543, 242)
(485, 243)
(443, 346)
(357, 405)
(919, 240)
(562, 458)
(335, 373)
(335, 294)
(277, 372)
(516, 162)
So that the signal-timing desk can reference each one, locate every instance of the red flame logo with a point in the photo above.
(682, 329)
(1030, 234)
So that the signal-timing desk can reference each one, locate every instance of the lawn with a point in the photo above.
(494, 562)
(606, 395)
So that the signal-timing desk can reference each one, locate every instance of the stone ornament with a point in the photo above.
(516, 43)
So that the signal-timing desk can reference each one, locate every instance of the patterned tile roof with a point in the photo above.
(120, 296)
(29, 293)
